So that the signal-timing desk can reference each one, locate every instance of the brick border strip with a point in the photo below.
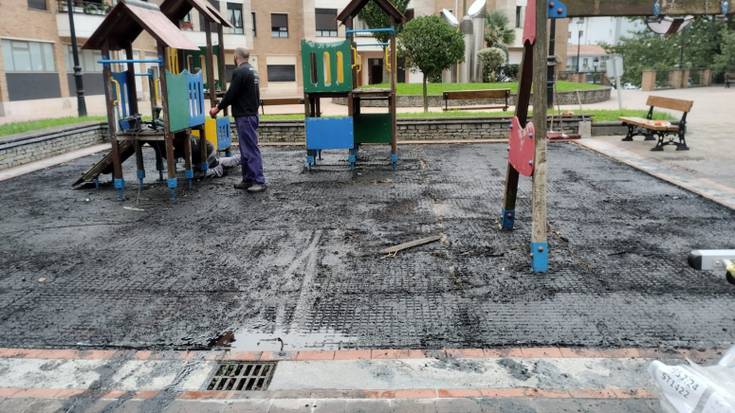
(368, 354)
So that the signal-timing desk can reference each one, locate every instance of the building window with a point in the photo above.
(214, 4)
(255, 25)
(326, 22)
(519, 17)
(28, 56)
(88, 60)
(279, 25)
(37, 4)
(281, 73)
(235, 12)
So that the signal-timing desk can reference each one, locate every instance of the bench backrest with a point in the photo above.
(478, 94)
(670, 103)
(281, 101)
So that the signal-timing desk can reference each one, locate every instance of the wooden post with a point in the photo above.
(221, 60)
(130, 77)
(117, 176)
(539, 242)
(168, 136)
(209, 63)
(392, 99)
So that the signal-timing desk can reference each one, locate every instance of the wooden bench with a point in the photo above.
(653, 129)
(729, 78)
(476, 95)
(279, 101)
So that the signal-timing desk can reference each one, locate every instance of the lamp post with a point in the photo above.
(81, 105)
(580, 22)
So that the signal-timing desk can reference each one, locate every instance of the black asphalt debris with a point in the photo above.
(299, 262)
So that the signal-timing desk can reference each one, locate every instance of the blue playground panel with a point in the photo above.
(224, 133)
(195, 88)
(329, 133)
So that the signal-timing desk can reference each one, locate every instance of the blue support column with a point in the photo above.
(141, 176)
(352, 158)
(508, 219)
(189, 174)
(120, 187)
(172, 188)
(540, 256)
(394, 161)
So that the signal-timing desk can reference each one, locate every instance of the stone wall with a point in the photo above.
(22, 149)
(417, 129)
(563, 98)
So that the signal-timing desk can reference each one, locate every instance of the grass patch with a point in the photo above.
(599, 115)
(21, 127)
(436, 89)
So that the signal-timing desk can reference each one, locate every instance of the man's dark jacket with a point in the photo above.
(244, 93)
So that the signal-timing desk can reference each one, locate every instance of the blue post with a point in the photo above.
(508, 218)
(394, 161)
(189, 174)
(204, 167)
(97, 183)
(540, 256)
(120, 187)
(352, 158)
(141, 176)
(172, 188)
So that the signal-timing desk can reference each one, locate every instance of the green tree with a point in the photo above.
(375, 17)
(697, 46)
(725, 61)
(492, 60)
(498, 32)
(432, 45)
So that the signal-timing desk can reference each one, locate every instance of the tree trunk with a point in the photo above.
(426, 98)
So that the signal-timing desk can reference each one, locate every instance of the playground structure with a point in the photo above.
(177, 96)
(331, 70)
(527, 140)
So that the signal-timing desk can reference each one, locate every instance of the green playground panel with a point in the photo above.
(177, 99)
(373, 128)
(313, 66)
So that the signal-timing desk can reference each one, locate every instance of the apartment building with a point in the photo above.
(36, 76)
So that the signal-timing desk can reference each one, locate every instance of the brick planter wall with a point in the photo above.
(417, 130)
(564, 98)
(22, 149)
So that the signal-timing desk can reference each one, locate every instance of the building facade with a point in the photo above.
(36, 70)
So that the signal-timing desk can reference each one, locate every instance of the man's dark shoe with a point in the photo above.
(256, 188)
(244, 185)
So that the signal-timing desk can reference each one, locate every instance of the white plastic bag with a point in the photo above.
(692, 388)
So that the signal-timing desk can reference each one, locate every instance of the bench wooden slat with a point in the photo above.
(281, 101)
(477, 94)
(648, 124)
(670, 103)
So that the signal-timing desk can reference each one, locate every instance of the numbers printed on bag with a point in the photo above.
(681, 382)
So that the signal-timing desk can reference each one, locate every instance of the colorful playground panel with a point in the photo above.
(373, 128)
(189, 88)
(329, 133)
(326, 67)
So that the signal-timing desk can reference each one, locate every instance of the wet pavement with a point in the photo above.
(301, 262)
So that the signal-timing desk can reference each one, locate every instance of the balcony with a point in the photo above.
(87, 17)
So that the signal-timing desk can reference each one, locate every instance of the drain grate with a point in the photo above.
(242, 376)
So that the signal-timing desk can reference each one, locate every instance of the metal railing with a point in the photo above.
(94, 8)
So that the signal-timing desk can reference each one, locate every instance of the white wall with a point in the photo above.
(598, 30)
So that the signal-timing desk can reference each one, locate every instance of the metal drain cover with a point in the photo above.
(242, 376)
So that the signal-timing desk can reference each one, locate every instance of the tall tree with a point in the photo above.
(432, 45)
(498, 32)
(375, 17)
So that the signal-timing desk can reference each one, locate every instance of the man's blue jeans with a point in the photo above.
(251, 160)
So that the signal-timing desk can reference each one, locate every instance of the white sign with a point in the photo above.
(522, 3)
(615, 66)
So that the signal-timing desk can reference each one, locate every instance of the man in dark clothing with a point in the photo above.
(244, 97)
